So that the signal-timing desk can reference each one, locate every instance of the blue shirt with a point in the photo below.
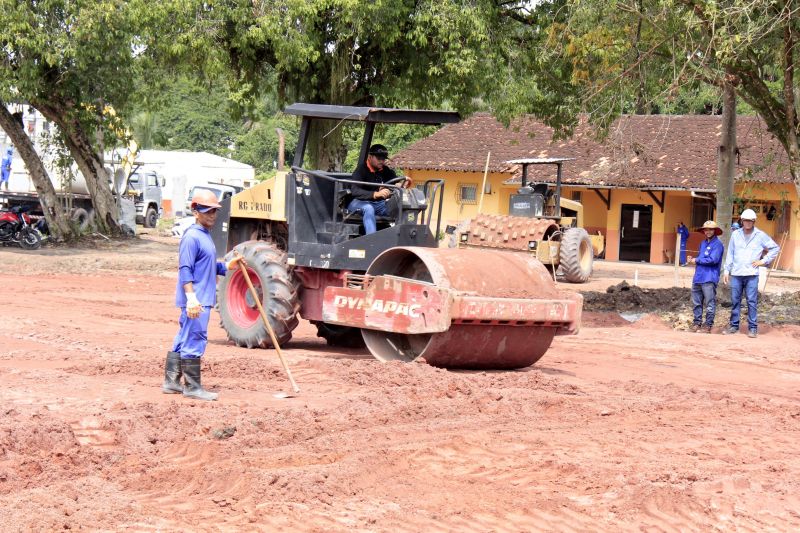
(683, 231)
(744, 249)
(708, 261)
(197, 263)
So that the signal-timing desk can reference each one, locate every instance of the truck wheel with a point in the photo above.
(341, 336)
(276, 287)
(81, 218)
(150, 218)
(576, 255)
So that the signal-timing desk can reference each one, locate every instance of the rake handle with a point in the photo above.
(243, 270)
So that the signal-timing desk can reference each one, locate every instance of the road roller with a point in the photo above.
(394, 291)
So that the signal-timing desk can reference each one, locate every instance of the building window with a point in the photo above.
(467, 193)
(702, 210)
(576, 195)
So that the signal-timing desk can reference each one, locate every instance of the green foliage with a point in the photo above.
(356, 52)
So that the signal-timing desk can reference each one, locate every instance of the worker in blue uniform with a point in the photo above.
(5, 167)
(195, 295)
(683, 231)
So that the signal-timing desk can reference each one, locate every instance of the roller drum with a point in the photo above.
(477, 272)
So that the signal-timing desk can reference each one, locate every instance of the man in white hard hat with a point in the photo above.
(749, 249)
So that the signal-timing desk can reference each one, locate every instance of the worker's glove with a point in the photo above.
(233, 263)
(193, 307)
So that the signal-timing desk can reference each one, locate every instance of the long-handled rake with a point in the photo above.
(243, 269)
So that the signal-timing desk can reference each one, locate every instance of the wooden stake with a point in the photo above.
(483, 185)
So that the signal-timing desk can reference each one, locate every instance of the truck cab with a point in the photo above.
(144, 187)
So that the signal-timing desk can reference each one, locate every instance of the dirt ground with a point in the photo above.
(630, 425)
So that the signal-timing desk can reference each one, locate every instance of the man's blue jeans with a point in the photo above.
(704, 295)
(748, 285)
(368, 211)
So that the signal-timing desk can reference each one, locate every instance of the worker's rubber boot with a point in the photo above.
(191, 376)
(172, 374)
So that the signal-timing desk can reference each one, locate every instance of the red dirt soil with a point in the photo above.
(624, 426)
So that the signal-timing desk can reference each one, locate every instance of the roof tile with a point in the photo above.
(640, 151)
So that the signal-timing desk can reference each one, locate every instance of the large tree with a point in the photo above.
(76, 61)
(422, 53)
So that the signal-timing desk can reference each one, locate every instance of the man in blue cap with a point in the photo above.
(5, 171)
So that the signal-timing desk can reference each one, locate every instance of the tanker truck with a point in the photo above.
(395, 290)
(140, 197)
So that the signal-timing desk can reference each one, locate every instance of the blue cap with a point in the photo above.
(204, 208)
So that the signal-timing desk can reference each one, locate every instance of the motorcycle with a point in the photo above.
(16, 228)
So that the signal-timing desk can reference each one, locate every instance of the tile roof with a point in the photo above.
(640, 151)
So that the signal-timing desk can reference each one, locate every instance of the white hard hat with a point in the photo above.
(748, 214)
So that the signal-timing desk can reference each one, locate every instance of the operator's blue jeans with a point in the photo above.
(192, 337)
(368, 211)
(704, 295)
(748, 285)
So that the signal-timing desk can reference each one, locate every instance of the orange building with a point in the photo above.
(650, 173)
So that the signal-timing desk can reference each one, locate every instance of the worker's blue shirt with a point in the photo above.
(744, 249)
(6, 167)
(683, 231)
(197, 263)
(708, 261)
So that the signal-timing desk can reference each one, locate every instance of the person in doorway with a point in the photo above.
(196, 294)
(5, 167)
(683, 231)
(706, 277)
(749, 249)
(735, 226)
(367, 199)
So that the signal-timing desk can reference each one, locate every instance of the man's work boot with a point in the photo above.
(172, 374)
(694, 328)
(730, 330)
(191, 376)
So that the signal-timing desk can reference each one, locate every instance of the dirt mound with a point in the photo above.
(676, 303)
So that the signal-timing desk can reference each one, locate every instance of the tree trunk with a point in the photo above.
(326, 148)
(792, 147)
(57, 220)
(726, 169)
(90, 165)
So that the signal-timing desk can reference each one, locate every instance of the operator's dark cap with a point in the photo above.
(204, 208)
(379, 151)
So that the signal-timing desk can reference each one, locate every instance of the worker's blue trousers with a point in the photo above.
(192, 338)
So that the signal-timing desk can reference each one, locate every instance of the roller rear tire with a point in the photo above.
(576, 255)
(277, 289)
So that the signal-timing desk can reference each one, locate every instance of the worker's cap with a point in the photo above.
(748, 214)
(710, 224)
(735, 226)
(204, 208)
(379, 151)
